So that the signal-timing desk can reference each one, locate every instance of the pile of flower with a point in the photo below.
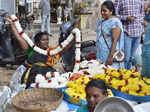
(126, 81)
(92, 67)
(76, 87)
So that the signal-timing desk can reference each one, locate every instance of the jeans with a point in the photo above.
(131, 44)
(45, 21)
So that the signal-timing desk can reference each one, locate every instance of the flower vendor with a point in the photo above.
(38, 62)
(96, 91)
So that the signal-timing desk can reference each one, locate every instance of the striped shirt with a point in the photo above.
(125, 8)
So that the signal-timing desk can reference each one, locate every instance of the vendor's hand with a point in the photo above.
(131, 18)
(109, 60)
(9, 19)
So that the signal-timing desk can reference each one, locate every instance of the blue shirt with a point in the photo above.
(83, 108)
(147, 35)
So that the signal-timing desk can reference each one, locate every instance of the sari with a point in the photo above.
(38, 64)
(102, 49)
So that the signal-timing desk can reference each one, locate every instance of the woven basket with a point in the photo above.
(37, 100)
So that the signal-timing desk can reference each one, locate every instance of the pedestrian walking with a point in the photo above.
(45, 15)
(131, 13)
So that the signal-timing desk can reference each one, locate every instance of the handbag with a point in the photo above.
(118, 55)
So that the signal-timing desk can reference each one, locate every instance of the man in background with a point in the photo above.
(45, 15)
(131, 13)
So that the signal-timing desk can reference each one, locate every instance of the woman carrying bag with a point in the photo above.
(110, 37)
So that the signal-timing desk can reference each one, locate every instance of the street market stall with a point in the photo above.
(124, 83)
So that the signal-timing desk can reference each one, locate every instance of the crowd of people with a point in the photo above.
(124, 26)
(119, 33)
(121, 29)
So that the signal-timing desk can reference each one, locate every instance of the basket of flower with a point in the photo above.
(127, 84)
(37, 100)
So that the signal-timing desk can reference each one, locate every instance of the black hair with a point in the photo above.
(38, 36)
(110, 6)
(97, 83)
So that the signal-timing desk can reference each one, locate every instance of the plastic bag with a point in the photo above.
(15, 81)
(4, 98)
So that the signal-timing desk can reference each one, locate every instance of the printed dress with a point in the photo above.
(102, 49)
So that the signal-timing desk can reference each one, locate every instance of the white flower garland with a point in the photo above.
(51, 80)
(57, 80)
(58, 49)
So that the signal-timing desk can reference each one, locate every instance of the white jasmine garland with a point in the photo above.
(54, 82)
(58, 49)
(53, 52)
(77, 51)
(92, 67)
(76, 67)
(40, 79)
(66, 75)
(48, 75)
